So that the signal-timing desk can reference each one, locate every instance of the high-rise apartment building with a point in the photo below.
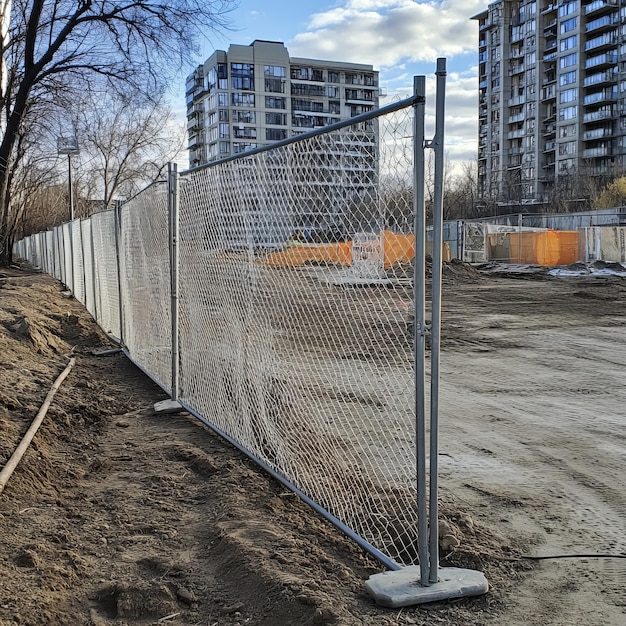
(255, 95)
(552, 96)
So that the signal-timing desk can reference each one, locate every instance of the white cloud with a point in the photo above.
(394, 36)
(387, 32)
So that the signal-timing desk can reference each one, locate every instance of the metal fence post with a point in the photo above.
(435, 327)
(419, 328)
(172, 202)
(118, 256)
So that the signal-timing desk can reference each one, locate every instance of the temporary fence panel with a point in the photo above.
(78, 274)
(295, 352)
(606, 243)
(88, 266)
(106, 272)
(145, 282)
(66, 235)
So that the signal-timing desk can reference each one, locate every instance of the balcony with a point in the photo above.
(550, 28)
(599, 6)
(603, 22)
(516, 134)
(517, 101)
(601, 151)
(516, 69)
(597, 133)
(606, 95)
(608, 76)
(513, 119)
(548, 93)
(514, 162)
(603, 41)
(483, 57)
(548, 130)
(549, 9)
(549, 146)
(550, 45)
(517, 53)
(606, 113)
(549, 57)
(608, 58)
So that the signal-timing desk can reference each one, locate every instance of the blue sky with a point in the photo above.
(400, 38)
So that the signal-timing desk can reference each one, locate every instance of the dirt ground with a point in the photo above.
(119, 516)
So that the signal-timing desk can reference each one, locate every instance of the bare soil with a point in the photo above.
(119, 516)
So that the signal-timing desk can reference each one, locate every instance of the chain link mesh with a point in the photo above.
(146, 286)
(295, 311)
(88, 266)
(78, 273)
(295, 318)
(106, 272)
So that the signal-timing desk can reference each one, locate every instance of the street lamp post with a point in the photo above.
(69, 146)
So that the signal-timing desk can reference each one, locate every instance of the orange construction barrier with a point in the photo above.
(397, 249)
(550, 247)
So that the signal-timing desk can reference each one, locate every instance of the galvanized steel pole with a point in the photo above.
(435, 327)
(419, 324)
(172, 205)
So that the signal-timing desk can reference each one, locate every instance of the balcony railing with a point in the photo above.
(608, 95)
(597, 152)
(608, 39)
(598, 5)
(608, 58)
(596, 116)
(513, 119)
(597, 133)
(608, 76)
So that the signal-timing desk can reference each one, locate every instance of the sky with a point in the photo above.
(400, 38)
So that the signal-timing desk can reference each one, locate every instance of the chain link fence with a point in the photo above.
(292, 306)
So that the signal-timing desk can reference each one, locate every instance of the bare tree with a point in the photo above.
(125, 144)
(62, 46)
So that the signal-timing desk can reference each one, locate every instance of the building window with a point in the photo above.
(244, 132)
(567, 131)
(277, 119)
(307, 73)
(275, 85)
(242, 76)
(224, 147)
(568, 8)
(569, 147)
(244, 117)
(222, 100)
(569, 24)
(274, 71)
(568, 43)
(224, 131)
(333, 92)
(568, 113)
(568, 60)
(242, 99)
(307, 90)
(334, 107)
(333, 77)
(568, 95)
(223, 115)
(240, 147)
(568, 78)
(274, 102)
(275, 134)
